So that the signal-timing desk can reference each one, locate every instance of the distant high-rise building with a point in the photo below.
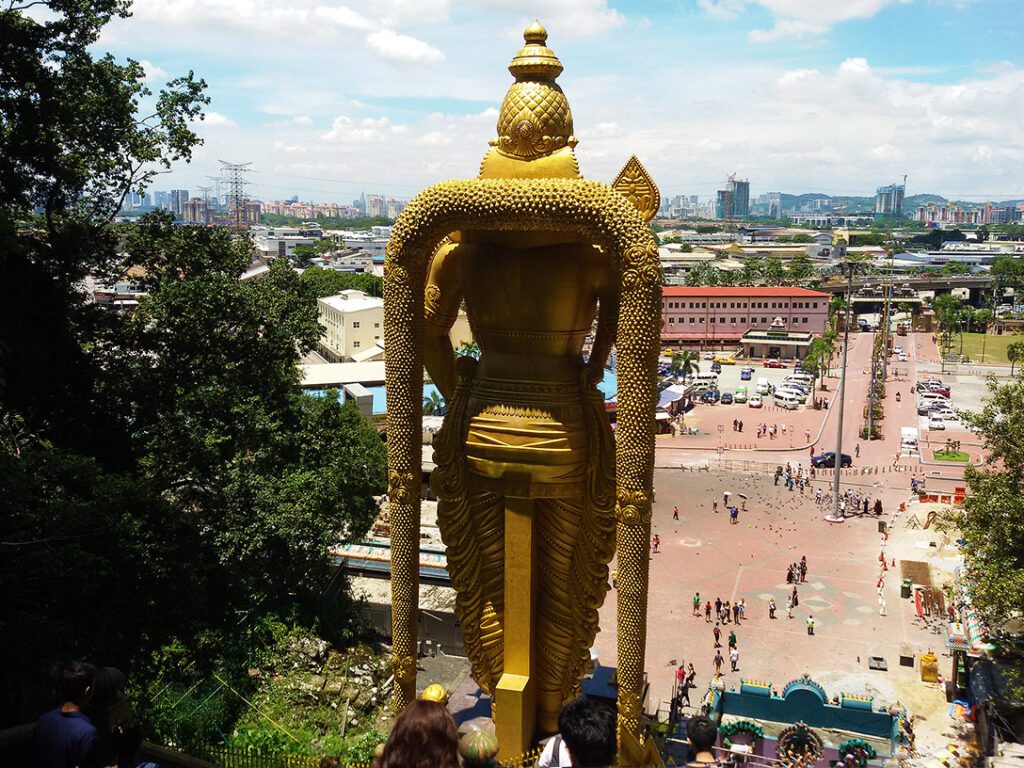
(723, 204)
(889, 202)
(733, 202)
(178, 199)
(196, 211)
(741, 199)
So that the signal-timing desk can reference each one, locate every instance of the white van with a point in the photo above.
(762, 387)
(706, 380)
(908, 440)
(803, 377)
(788, 400)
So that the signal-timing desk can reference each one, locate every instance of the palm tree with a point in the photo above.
(1013, 354)
(433, 404)
(468, 349)
(685, 363)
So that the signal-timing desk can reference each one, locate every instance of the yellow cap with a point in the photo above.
(435, 692)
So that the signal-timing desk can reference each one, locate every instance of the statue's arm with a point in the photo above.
(607, 321)
(443, 294)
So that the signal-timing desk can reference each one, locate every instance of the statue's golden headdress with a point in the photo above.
(535, 123)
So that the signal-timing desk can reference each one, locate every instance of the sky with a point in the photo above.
(330, 99)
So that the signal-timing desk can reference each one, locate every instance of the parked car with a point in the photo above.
(936, 422)
(726, 360)
(903, 358)
(709, 355)
(746, 373)
(716, 367)
(754, 401)
(897, 350)
(741, 395)
(711, 396)
(828, 459)
(727, 398)
(923, 384)
(938, 390)
(773, 363)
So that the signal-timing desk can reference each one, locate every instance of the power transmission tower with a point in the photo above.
(234, 175)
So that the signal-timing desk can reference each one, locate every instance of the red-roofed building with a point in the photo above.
(719, 317)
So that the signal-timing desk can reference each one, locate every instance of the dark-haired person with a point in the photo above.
(65, 737)
(423, 736)
(586, 736)
(702, 734)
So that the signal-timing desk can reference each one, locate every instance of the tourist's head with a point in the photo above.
(423, 736)
(588, 729)
(77, 682)
(702, 733)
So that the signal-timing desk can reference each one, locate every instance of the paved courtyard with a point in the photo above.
(704, 552)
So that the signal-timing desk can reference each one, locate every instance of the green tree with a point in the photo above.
(1014, 352)
(800, 270)
(304, 254)
(685, 363)
(703, 273)
(328, 282)
(989, 522)
(983, 319)
(469, 349)
(772, 271)
(433, 404)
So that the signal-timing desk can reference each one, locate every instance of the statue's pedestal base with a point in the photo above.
(515, 699)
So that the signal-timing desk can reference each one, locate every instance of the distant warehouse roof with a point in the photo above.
(684, 291)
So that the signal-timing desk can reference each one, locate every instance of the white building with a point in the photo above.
(353, 327)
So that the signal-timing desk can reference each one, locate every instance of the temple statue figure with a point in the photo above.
(531, 501)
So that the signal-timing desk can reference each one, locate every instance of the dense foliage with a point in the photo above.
(168, 492)
(990, 521)
(328, 282)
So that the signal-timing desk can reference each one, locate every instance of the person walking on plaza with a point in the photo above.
(803, 568)
(736, 613)
(655, 543)
(675, 512)
(741, 425)
(718, 606)
(726, 612)
(707, 612)
(789, 607)
(810, 625)
(714, 506)
(719, 660)
(734, 658)
(807, 435)
(796, 597)
(856, 450)
(732, 639)
(743, 609)
(771, 607)
(696, 604)
(718, 635)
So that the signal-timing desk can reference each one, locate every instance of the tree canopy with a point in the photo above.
(163, 476)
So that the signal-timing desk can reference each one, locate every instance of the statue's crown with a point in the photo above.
(535, 119)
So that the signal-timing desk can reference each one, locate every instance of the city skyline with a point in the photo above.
(394, 95)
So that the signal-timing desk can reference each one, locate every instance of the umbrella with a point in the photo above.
(727, 493)
(743, 496)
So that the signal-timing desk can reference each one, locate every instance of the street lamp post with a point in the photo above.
(837, 462)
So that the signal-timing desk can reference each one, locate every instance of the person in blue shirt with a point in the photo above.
(65, 737)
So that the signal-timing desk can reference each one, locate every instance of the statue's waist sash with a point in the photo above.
(528, 432)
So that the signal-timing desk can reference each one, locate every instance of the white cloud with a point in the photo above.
(797, 18)
(152, 71)
(564, 18)
(216, 119)
(402, 49)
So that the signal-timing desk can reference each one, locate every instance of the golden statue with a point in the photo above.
(534, 493)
